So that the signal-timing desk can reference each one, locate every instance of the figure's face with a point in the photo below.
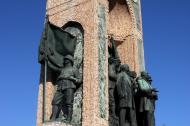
(127, 70)
(117, 63)
(133, 74)
(125, 67)
(144, 74)
(149, 78)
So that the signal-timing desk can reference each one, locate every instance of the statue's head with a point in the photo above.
(133, 74)
(68, 59)
(124, 67)
(149, 78)
(113, 60)
(146, 75)
(117, 62)
(110, 60)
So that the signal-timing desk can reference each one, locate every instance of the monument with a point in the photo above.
(82, 48)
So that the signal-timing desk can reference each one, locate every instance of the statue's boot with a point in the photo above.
(112, 112)
(69, 114)
(55, 113)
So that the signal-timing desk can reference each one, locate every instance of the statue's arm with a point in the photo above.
(56, 69)
(73, 79)
(135, 86)
(119, 85)
(112, 74)
(76, 77)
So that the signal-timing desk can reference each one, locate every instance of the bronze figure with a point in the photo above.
(145, 100)
(66, 85)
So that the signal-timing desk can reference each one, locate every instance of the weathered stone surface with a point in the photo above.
(121, 27)
(77, 108)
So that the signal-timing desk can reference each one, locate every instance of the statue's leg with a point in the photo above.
(56, 105)
(111, 103)
(113, 119)
(69, 94)
(152, 118)
(133, 120)
(149, 119)
(122, 117)
(140, 118)
(128, 117)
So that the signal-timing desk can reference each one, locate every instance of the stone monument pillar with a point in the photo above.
(98, 21)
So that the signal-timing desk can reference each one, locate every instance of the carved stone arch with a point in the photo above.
(112, 3)
(74, 24)
(121, 27)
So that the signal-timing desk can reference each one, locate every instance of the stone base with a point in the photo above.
(56, 124)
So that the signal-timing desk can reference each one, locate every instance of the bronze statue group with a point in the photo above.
(131, 98)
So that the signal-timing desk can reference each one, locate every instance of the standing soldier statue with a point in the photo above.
(124, 90)
(133, 76)
(66, 85)
(145, 100)
(113, 65)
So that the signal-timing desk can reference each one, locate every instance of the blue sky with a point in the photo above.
(166, 26)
